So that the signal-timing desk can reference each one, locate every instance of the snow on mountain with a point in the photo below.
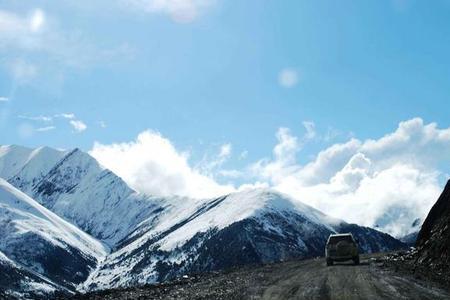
(17, 282)
(12, 159)
(42, 242)
(156, 239)
(236, 207)
(73, 185)
(31, 164)
(254, 226)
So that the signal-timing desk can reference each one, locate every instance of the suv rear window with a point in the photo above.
(337, 239)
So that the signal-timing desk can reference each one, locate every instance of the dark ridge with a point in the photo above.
(439, 210)
(433, 242)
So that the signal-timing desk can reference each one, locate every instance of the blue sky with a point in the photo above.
(205, 75)
(363, 66)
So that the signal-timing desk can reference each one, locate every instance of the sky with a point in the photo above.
(343, 105)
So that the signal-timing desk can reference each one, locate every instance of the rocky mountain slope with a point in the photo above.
(430, 259)
(16, 281)
(250, 227)
(433, 241)
(149, 239)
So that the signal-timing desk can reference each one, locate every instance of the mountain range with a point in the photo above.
(70, 225)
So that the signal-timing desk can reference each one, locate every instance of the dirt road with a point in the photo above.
(313, 280)
(309, 279)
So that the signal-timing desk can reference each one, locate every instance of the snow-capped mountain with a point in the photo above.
(73, 185)
(254, 226)
(31, 164)
(35, 238)
(149, 239)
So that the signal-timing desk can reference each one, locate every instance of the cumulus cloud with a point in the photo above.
(284, 158)
(78, 125)
(231, 173)
(4, 99)
(151, 164)
(288, 78)
(385, 183)
(181, 11)
(210, 164)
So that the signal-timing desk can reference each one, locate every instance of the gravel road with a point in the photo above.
(313, 280)
(308, 279)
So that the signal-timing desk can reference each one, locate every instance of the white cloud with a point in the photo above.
(26, 130)
(331, 134)
(72, 120)
(210, 164)
(225, 151)
(47, 128)
(387, 182)
(151, 164)
(102, 124)
(243, 155)
(35, 48)
(23, 33)
(78, 125)
(288, 78)
(310, 129)
(69, 116)
(284, 158)
(36, 118)
(181, 11)
(231, 173)
(4, 99)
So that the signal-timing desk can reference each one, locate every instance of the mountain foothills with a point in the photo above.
(69, 225)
